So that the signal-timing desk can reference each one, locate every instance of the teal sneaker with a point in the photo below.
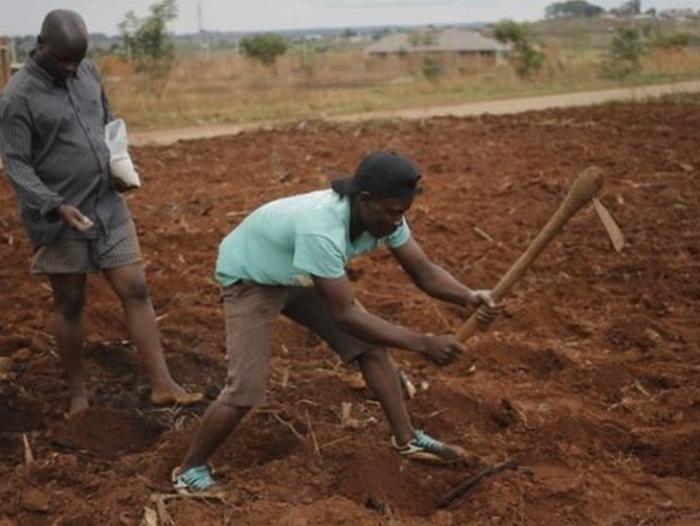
(195, 480)
(424, 447)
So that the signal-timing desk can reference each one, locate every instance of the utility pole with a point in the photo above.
(203, 37)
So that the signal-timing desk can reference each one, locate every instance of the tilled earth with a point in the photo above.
(591, 381)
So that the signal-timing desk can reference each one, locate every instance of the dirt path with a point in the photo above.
(499, 107)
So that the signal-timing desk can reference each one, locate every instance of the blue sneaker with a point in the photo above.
(195, 480)
(423, 447)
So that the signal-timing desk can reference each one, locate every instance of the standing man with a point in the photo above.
(289, 257)
(52, 119)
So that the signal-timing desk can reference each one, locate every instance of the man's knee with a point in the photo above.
(70, 306)
(135, 290)
(244, 392)
(375, 354)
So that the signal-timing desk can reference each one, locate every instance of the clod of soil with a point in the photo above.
(106, 433)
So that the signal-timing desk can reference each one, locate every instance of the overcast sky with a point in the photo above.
(19, 17)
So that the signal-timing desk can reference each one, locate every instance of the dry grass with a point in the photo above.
(231, 88)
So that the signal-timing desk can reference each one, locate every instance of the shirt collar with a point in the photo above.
(31, 65)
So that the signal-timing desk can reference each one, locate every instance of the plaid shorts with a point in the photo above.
(117, 248)
(250, 311)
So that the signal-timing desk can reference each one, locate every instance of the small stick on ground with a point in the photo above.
(205, 495)
(313, 438)
(288, 424)
(479, 232)
(333, 442)
(28, 455)
(436, 413)
(163, 514)
(469, 484)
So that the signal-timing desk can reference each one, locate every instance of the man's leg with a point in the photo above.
(69, 300)
(381, 376)
(129, 283)
(250, 312)
(307, 307)
(219, 421)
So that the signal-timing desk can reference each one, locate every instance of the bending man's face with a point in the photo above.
(381, 217)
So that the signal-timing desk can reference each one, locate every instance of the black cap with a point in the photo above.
(381, 174)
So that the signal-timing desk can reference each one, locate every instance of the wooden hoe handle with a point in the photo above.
(581, 192)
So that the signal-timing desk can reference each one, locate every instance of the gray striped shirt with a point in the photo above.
(52, 141)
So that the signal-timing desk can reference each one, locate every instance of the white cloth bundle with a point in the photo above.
(119, 159)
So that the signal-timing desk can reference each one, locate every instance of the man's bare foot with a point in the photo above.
(77, 404)
(174, 395)
(78, 395)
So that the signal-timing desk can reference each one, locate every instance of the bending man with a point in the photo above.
(289, 257)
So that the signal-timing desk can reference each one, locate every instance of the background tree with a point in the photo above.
(573, 9)
(526, 55)
(147, 41)
(264, 48)
(629, 8)
(625, 53)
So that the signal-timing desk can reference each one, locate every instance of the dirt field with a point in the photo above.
(591, 381)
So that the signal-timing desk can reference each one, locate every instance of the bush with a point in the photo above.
(431, 68)
(526, 56)
(625, 55)
(264, 48)
(674, 40)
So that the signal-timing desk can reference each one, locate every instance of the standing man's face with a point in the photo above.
(61, 65)
(63, 43)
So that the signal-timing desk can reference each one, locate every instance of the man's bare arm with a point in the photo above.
(339, 296)
(439, 283)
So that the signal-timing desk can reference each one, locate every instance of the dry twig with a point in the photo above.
(28, 455)
(288, 424)
(313, 438)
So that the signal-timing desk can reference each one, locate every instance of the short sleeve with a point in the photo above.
(399, 236)
(318, 255)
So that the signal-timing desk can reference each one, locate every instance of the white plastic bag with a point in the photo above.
(119, 159)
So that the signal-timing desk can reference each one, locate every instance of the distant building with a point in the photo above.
(460, 42)
(677, 14)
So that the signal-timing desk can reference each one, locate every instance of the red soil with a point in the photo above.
(592, 379)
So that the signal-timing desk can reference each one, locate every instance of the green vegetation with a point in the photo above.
(431, 67)
(320, 77)
(674, 40)
(573, 8)
(527, 57)
(625, 54)
(630, 8)
(146, 39)
(264, 48)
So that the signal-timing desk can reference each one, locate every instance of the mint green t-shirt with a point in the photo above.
(287, 241)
